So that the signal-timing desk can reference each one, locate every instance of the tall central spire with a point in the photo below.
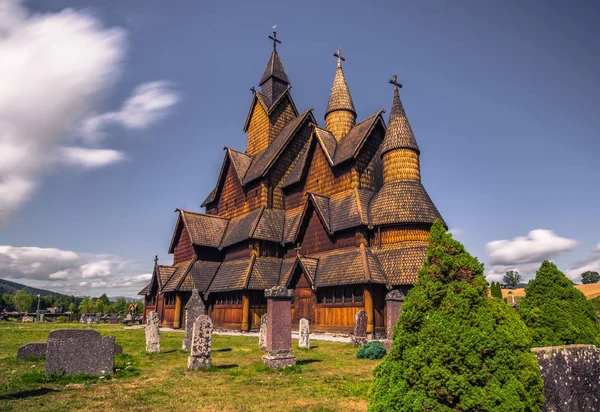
(340, 115)
(274, 81)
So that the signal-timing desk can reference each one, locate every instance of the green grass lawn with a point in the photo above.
(327, 377)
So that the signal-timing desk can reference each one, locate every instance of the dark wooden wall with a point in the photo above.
(184, 249)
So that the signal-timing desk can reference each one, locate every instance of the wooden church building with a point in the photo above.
(337, 213)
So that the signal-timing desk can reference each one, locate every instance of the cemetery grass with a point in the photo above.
(328, 377)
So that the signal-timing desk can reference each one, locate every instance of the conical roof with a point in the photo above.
(340, 98)
(399, 134)
(274, 81)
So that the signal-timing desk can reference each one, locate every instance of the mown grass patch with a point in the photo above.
(326, 377)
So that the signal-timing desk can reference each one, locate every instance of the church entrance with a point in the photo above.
(304, 300)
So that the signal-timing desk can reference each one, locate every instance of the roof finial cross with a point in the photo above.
(297, 249)
(394, 81)
(341, 58)
(274, 38)
(156, 259)
(253, 90)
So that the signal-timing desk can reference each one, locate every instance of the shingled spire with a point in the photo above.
(274, 80)
(340, 115)
(399, 150)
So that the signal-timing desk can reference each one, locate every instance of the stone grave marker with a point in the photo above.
(360, 329)
(304, 334)
(200, 353)
(262, 336)
(72, 351)
(393, 308)
(32, 349)
(152, 333)
(279, 328)
(194, 308)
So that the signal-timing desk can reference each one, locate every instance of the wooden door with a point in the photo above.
(302, 304)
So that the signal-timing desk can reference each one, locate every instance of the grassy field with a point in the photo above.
(327, 378)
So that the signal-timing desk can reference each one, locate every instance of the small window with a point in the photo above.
(358, 294)
(329, 296)
(321, 296)
(347, 294)
(338, 295)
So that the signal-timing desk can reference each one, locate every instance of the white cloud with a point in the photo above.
(456, 231)
(148, 104)
(66, 271)
(90, 158)
(538, 245)
(54, 70)
(592, 264)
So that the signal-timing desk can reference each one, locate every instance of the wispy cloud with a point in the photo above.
(592, 264)
(48, 92)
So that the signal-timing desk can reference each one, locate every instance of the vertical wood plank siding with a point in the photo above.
(369, 164)
(184, 249)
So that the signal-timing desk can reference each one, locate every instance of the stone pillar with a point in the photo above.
(369, 310)
(393, 308)
(177, 317)
(304, 334)
(194, 308)
(262, 337)
(279, 328)
(246, 311)
(360, 329)
(200, 355)
(152, 333)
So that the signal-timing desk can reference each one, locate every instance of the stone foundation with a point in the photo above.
(279, 360)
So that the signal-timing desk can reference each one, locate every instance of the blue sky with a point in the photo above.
(503, 98)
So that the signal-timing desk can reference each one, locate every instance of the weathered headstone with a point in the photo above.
(279, 328)
(194, 308)
(262, 336)
(304, 334)
(201, 343)
(72, 351)
(32, 349)
(113, 318)
(393, 308)
(118, 349)
(360, 329)
(89, 320)
(571, 377)
(152, 333)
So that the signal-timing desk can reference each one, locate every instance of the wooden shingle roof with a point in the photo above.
(399, 134)
(181, 269)
(400, 262)
(203, 229)
(403, 201)
(354, 140)
(270, 225)
(264, 274)
(340, 98)
(240, 163)
(232, 275)
(199, 276)
(263, 161)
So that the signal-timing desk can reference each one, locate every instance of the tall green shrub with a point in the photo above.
(556, 312)
(454, 348)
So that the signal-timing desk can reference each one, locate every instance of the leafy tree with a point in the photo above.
(454, 348)
(23, 300)
(590, 277)
(72, 307)
(99, 307)
(104, 299)
(8, 301)
(86, 305)
(512, 279)
(556, 312)
(120, 305)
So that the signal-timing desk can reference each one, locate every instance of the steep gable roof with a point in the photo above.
(241, 228)
(240, 163)
(181, 269)
(199, 276)
(354, 140)
(203, 229)
(267, 105)
(263, 161)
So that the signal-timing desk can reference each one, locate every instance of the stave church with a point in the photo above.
(338, 213)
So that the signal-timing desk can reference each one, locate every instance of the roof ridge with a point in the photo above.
(256, 221)
(249, 272)
(203, 214)
(185, 274)
(365, 263)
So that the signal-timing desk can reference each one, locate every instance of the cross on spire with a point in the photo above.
(274, 38)
(297, 249)
(156, 259)
(341, 58)
(394, 81)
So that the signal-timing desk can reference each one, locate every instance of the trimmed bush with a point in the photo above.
(454, 348)
(371, 350)
(556, 312)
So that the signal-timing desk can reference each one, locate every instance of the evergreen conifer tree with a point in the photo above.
(556, 312)
(454, 348)
(496, 290)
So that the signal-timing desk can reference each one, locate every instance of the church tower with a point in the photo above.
(399, 151)
(272, 107)
(340, 115)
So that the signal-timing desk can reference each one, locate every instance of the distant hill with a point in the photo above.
(590, 291)
(14, 287)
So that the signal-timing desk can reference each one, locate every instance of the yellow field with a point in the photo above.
(590, 291)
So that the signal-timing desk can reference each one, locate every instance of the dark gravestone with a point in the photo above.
(571, 377)
(360, 329)
(118, 349)
(72, 351)
(393, 308)
(279, 328)
(113, 318)
(194, 308)
(32, 349)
